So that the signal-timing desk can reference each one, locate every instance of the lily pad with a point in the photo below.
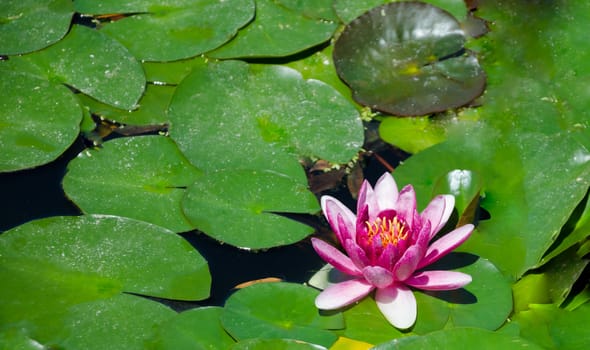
(30, 25)
(164, 31)
(82, 259)
(39, 120)
(94, 64)
(456, 338)
(278, 310)
(276, 31)
(407, 58)
(198, 328)
(275, 344)
(143, 178)
(242, 208)
(261, 117)
(124, 320)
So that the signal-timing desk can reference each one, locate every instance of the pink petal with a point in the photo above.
(398, 304)
(438, 212)
(333, 210)
(438, 280)
(356, 253)
(446, 244)
(342, 294)
(386, 192)
(378, 276)
(407, 264)
(335, 257)
(388, 257)
(366, 197)
(406, 204)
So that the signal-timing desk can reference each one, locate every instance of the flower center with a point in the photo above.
(387, 231)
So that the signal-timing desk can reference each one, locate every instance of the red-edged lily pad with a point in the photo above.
(407, 58)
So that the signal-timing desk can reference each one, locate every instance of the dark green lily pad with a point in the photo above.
(457, 338)
(144, 178)
(276, 31)
(238, 207)
(30, 25)
(39, 120)
(407, 58)
(261, 117)
(164, 31)
(278, 310)
(82, 259)
(198, 328)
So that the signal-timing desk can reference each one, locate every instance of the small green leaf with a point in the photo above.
(276, 31)
(142, 177)
(30, 25)
(278, 310)
(406, 58)
(239, 207)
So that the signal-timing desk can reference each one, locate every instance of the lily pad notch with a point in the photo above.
(408, 58)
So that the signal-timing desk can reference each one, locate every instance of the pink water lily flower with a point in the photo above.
(386, 247)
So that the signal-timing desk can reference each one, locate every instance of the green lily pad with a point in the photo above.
(364, 322)
(78, 260)
(275, 344)
(484, 303)
(174, 30)
(197, 328)
(94, 64)
(239, 207)
(143, 178)
(278, 310)
(276, 31)
(123, 321)
(406, 58)
(39, 120)
(456, 338)
(31, 25)
(239, 116)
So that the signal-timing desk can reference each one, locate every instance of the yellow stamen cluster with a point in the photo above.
(390, 231)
